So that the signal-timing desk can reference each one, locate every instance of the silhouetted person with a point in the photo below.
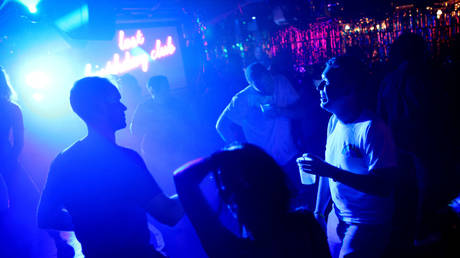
(17, 220)
(417, 103)
(261, 114)
(254, 187)
(11, 123)
(360, 166)
(100, 190)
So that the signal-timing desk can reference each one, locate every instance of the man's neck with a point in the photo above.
(101, 134)
(350, 111)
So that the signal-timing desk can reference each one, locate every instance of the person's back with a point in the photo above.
(99, 182)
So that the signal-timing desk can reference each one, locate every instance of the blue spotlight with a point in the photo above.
(37, 80)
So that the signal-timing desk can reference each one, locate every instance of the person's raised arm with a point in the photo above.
(51, 213)
(216, 239)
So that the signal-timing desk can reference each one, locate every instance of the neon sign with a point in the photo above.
(130, 61)
(131, 42)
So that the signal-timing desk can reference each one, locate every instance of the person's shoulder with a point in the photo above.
(243, 95)
(373, 125)
(69, 157)
(130, 154)
(75, 149)
(13, 107)
(248, 90)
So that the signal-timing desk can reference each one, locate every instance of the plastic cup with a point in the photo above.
(306, 178)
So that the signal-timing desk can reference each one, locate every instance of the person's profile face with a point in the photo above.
(330, 90)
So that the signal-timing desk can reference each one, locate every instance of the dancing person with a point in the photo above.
(100, 190)
(253, 186)
(360, 167)
(261, 114)
(17, 222)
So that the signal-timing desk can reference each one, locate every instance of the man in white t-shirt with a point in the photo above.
(261, 114)
(360, 167)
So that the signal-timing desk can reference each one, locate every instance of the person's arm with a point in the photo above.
(215, 238)
(228, 130)
(322, 200)
(377, 182)
(18, 132)
(167, 210)
(51, 213)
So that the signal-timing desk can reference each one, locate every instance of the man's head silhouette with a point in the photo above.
(97, 102)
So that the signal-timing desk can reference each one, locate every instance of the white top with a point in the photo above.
(271, 134)
(359, 148)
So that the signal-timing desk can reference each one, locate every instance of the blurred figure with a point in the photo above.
(164, 134)
(17, 220)
(100, 190)
(261, 114)
(166, 138)
(417, 102)
(131, 96)
(10, 124)
(360, 167)
(254, 187)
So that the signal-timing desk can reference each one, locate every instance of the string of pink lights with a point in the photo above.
(322, 40)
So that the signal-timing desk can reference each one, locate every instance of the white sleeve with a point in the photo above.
(379, 146)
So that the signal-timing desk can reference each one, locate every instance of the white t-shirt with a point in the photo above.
(359, 148)
(271, 134)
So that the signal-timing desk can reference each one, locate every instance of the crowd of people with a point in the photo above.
(379, 179)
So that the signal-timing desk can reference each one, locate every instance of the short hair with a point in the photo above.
(350, 70)
(255, 71)
(87, 93)
(158, 83)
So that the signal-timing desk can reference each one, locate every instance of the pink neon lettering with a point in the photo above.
(131, 42)
(162, 51)
(118, 66)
